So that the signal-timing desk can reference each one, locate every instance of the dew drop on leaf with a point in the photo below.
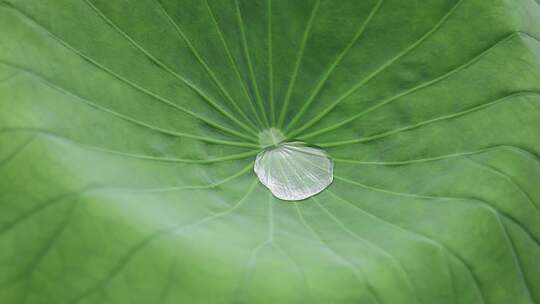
(294, 171)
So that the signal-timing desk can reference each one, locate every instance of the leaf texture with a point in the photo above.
(129, 131)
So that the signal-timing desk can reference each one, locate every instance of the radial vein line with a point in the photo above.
(422, 160)
(234, 65)
(406, 92)
(169, 70)
(56, 87)
(385, 65)
(519, 150)
(170, 282)
(515, 258)
(299, 270)
(254, 252)
(165, 189)
(429, 121)
(62, 137)
(336, 62)
(25, 215)
(44, 251)
(250, 63)
(197, 55)
(241, 172)
(271, 66)
(137, 87)
(358, 273)
(177, 230)
(507, 238)
(16, 151)
(296, 68)
(249, 267)
(369, 244)
(419, 236)
(496, 211)
(524, 152)
(236, 156)
(132, 252)
(526, 282)
(116, 269)
(507, 178)
(470, 200)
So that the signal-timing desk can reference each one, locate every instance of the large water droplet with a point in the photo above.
(294, 171)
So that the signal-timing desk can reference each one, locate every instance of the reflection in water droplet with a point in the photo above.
(293, 171)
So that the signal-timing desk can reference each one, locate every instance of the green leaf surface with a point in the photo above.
(129, 130)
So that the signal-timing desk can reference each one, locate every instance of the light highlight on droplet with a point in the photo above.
(294, 171)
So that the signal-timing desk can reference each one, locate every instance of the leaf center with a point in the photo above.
(270, 137)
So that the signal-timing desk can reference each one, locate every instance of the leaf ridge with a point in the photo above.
(508, 239)
(293, 77)
(430, 121)
(121, 78)
(16, 151)
(183, 37)
(165, 67)
(413, 89)
(249, 63)
(443, 198)
(241, 172)
(359, 275)
(56, 87)
(370, 244)
(333, 66)
(507, 178)
(271, 66)
(428, 159)
(234, 65)
(382, 67)
(433, 242)
(254, 252)
(145, 242)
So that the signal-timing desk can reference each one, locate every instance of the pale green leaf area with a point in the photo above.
(129, 131)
